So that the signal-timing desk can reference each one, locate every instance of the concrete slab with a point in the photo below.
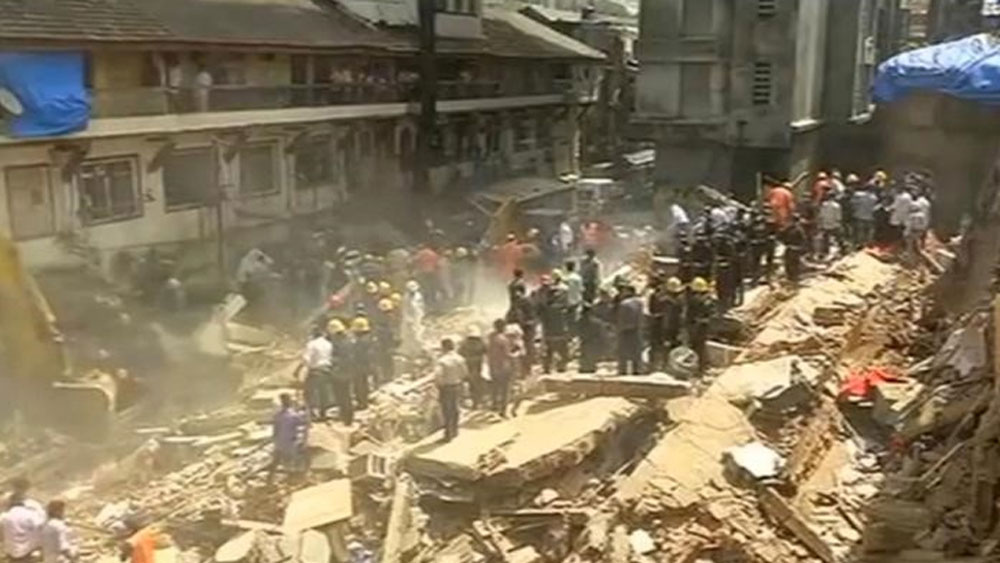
(318, 506)
(743, 382)
(525, 448)
(655, 386)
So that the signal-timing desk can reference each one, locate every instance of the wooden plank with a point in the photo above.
(786, 515)
(399, 520)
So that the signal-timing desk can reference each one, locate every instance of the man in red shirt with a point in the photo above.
(782, 204)
(822, 187)
(426, 263)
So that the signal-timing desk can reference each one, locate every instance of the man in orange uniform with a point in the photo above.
(782, 204)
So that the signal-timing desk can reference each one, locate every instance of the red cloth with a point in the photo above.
(782, 204)
(427, 261)
(861, 383)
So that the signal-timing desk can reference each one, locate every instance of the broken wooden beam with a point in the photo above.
(633, 386)
(783, 513)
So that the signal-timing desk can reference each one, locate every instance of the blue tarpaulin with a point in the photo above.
(50, 86)
(968, 68)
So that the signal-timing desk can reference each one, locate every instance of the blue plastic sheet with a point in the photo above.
(50, 86)
(968, 68)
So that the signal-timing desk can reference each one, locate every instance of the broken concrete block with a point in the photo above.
(238, 548)
(546, 497)
(754, 460)
(314, 547)
(526, 554)
(721, 355)
(641, 542)
(318, 506)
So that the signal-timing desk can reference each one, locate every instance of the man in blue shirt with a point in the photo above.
(291, 429)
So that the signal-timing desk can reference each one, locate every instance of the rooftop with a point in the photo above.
(294, 24)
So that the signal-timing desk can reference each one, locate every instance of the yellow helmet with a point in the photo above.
(699, 285)
(385, 305)
(360, 324)
(396, 298)
(557, 275)
(674, 285)
(881, 175)
(371, 287)
(384, 288)
(336, 326)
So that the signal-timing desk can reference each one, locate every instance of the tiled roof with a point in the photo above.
(77, 19)
(288, 23)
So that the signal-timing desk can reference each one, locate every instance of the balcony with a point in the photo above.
(154, 101)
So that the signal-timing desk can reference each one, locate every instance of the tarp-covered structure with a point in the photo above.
(968, 69)
(50, 88)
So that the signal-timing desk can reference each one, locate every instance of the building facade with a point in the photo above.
(730, 90)
(239, 117)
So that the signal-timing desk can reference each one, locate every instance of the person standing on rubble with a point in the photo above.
(385, 324)
(796, 242)
(590, 272)
(449, 375)
(317, 359)
(20, 525)
(863, 205)
(516, 283)
(340, 378)
(522, 313)
(502, 364)
(362, 360)
(56, 538)
(413, 320)
(656, 306)
(473, 349)
(701, 307)
(673, 314)
(290, 428)
(574, 294)
(830, 222)
(552, 303)
(629, 331)
(702, 256)
(725, 268)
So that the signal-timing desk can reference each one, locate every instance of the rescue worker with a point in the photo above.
(702, 256)
(501, 352)
(629, 329)
(725, 257)
(592, 330)
(796, 243)
(413, 309)
(473, 349)
(517, 282)
(385, 326)
(590, 271)
(700, 310)
(657, 304)
(685, 269)
(362, 364)
(340, 379)
(673, 314)
(371, 297)
(552, 303)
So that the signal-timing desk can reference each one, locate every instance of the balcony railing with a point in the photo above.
(131, 102)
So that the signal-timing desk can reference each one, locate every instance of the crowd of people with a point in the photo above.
(30, 530)
(560, 306)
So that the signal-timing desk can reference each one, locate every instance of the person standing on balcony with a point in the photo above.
(202, 87)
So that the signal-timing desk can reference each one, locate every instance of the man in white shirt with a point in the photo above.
(57, 542)
(918, 222)
(21, 527)
(900, 212)
(449, 375)
(830, 220)
(317, 359)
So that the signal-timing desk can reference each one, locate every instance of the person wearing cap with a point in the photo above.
(863, 205)
(362, 361)
(524, 314)
(821, 187)
(673, 313)
(701, 307)
(473, 349)
(317, 360)
(385, 325)
(449, 374)
(830, 220)
(851, 185)
(370, 299)
(341, 376)
(628, 319)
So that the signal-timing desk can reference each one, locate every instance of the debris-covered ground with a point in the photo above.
(849, 423)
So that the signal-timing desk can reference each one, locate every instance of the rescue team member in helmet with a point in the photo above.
(362, 360)
(673, 313)
(341, 376)
(657, 303)
(385, 325)
(700, 310)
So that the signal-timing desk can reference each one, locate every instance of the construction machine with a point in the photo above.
(33, 363)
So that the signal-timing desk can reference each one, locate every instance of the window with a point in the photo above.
(258, 169)
(696, 86)
(109, 190)
(762, 84)
(29, 201)
(189, 178)
(698, 17)
(767, 8)
(314, 163)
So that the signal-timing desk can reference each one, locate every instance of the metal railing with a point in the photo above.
(131, 102)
